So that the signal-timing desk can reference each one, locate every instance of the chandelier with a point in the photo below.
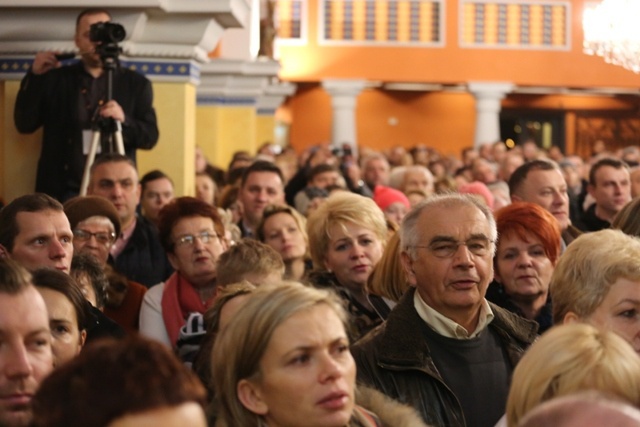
(612, 31)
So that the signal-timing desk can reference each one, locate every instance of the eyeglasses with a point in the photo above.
(104, 238)
(478, 246)
(190, 239)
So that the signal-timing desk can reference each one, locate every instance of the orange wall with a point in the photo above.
(445, 120)
(310, 115)
(451, 64)
(384, 119)
(439, 119)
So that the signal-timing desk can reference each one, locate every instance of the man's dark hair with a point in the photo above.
(234, 176)
(152, 176)
(36, 202)
(607, 161)
(112, 158)
(84, 264)
(320, 169)
(14, 278)
(91, 11)
(261, 166)
(519, 176)
(58, 281)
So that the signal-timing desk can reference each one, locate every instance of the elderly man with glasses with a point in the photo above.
(444, 349)
(192, 234)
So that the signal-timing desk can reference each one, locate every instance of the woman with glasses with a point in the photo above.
(527, 251)
(192, 233)
(283, 228)
(96, 225)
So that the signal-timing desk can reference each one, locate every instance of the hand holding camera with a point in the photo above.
(44, 61)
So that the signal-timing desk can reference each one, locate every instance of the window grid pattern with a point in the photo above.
(383, 21)
(288, 19)
(515, 24)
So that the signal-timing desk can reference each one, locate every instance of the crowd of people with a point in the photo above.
(331, 287)
(398, 288)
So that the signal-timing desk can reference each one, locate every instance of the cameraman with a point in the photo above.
(67, 101)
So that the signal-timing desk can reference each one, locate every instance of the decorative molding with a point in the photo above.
(229, 101)
(273, 97)
(176, 29)
(14, 68)
(236, 82)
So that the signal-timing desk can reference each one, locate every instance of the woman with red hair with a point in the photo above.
(526, 254)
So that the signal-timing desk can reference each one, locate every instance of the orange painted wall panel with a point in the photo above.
(451, 63)
(385, 119)
(444, 120)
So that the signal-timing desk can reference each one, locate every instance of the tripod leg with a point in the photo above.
(118, 137)
(95, 140)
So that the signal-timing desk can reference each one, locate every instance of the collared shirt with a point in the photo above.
(447, 327)
(122, 240)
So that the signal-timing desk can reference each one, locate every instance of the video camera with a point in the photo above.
(107, 35)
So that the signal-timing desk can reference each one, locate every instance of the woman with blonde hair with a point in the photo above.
(569, 359)
(284, 360)
(347, 235)
(388, 278)
(628, 218)
(597, 281)
(284, 229)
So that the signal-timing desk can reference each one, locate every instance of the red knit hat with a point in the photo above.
(480, 189)
(386, 196)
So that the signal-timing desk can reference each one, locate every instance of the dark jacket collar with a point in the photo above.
(402, 341)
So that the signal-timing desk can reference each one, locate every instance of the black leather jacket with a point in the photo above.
(143, 260)
(395, 359)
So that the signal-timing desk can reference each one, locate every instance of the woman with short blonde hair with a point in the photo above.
(347, 235)
(569, 359)
(596, 281)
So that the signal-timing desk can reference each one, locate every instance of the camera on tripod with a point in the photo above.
(107, 35)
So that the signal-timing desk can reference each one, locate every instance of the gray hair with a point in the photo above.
(409, 232)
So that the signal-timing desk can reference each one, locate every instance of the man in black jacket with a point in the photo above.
(137, 252)
(66, 101)
(444, 349)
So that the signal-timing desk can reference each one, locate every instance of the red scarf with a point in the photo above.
(179, 299)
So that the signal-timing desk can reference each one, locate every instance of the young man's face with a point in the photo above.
(118, 182)
(612, 189)
(259, 190)
(156, 195)
(44, 240)
(25, 354)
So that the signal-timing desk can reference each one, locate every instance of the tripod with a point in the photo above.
(109, 65)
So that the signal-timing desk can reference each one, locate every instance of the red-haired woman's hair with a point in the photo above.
(525, 219)
(185, 207)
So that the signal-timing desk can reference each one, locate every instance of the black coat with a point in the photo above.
(143, 260)
(51, 101)
(395, 359)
